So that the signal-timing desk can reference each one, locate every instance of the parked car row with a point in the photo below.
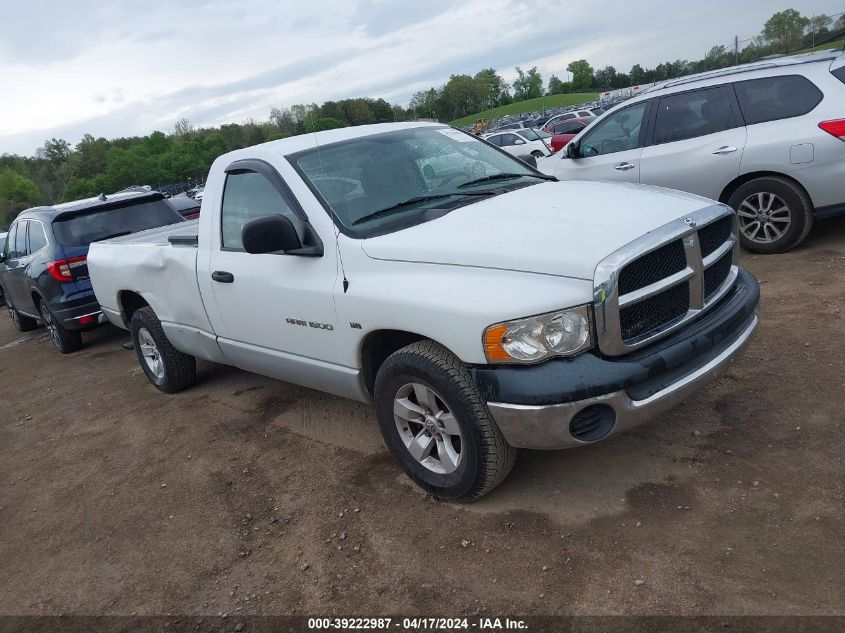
(537, 143)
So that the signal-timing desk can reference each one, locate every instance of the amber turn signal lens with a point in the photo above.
(493, 343)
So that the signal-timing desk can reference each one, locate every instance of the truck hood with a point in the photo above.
(553, 228)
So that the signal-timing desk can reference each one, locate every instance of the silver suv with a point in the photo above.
(766, 138)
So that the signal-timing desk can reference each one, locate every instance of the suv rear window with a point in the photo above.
(773, 98)
(839, 73)
(93, 226)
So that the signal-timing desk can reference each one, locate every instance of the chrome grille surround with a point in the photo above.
(607, 302)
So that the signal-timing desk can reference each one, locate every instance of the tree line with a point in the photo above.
(463, 95)
(60, 171)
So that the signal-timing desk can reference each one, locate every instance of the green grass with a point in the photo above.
(532, 105)
(834, 44)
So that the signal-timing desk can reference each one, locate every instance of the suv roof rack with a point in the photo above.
(793, 60)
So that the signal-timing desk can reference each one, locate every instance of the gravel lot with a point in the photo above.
(248, 496)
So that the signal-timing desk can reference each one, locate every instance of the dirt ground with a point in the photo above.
(248, 496)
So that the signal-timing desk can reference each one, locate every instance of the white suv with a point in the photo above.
(766, 138)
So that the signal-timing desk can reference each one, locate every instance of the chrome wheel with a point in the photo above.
(51, 326)
(763, 217)
(427, 428)
(150, 353)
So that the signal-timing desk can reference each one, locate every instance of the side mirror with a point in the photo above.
(519, 141)
(529, 158)
(573, 150)
(270, 234)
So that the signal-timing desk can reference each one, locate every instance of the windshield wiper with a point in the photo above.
(503, 177)
(416, 200)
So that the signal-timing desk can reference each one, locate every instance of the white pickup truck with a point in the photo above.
(481, 308)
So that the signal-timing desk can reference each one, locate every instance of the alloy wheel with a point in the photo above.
(150, 353)
(428, 428)
(764, 217)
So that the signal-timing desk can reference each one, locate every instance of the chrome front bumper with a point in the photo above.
(548, 426)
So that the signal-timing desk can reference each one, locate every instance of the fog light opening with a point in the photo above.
(592, 423)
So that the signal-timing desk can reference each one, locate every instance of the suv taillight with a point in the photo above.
(836, 128)
(62, 270)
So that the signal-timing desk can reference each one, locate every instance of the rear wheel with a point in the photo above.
(438, 426)
(774, 214)
(22, 323)
(64, 340)
(537, 154)
(165, 366)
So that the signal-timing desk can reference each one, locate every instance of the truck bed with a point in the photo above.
(148, 264)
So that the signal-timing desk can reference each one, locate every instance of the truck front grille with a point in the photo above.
(714, 235)
(668, 277)
(654, 312)
(656, 265)
(715, 276)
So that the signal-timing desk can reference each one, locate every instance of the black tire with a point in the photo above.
(64, 340)
(537, 154)
(485, 457)
(22, 323)
(178, 371)
(800, 211)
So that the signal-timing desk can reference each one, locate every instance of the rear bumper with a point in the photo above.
(572, 402)
(80, 317)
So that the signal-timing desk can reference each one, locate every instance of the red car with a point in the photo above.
(564, 131)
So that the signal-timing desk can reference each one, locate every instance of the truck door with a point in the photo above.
(274, 312)
(697, 142)
(611, 149)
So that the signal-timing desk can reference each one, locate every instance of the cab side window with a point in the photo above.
(616, 133)
(692, 114)
(249, 195)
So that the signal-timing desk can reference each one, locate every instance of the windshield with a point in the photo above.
(81, 230)
(383, 182)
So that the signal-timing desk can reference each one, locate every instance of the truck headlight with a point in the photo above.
(561, 333)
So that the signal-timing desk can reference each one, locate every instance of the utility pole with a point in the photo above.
(736, 50)
(813, 24)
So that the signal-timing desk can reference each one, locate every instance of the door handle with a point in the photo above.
(624, 166)
(725, 149)
(223, 277)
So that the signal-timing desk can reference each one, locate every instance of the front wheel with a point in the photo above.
(165, 366)
(64, 340)
(774, 214)
(438, 426)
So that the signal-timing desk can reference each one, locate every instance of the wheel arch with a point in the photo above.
(377, 345)
(742, 179)
(129, 302)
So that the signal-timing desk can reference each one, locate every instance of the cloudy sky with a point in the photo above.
(122, 67)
